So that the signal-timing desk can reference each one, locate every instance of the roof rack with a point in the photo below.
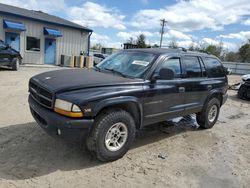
(171, 47)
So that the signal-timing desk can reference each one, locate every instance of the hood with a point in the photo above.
(72, 79)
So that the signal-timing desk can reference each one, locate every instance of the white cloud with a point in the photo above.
(193, 15)
(89, 14)
(104, 40)
(243, 35)
(226, 45)
(95, 15)
(177, 35)
(246, 22)
(45, 6)
(126, 35)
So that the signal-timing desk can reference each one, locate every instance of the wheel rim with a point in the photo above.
(116, 136)
(212, 114)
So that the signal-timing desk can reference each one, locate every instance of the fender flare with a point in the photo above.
(212, 93)
(119, 100)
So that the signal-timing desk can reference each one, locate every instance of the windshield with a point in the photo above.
(130, 64)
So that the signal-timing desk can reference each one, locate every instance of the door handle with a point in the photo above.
(181, 89)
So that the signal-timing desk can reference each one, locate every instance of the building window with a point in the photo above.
(32, 44)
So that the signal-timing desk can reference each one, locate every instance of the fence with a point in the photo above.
(238, 68)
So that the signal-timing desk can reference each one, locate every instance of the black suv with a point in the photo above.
(125, 92)
(9, 57)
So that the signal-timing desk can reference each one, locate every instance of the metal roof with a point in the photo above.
(39, 16)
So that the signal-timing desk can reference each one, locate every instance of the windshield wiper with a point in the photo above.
(115, 71)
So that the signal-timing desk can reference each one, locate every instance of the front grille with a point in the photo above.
(41, 95)
(38, 117)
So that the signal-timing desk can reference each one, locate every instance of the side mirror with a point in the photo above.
(164, 74)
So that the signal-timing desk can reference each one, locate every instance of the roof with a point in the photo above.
(39, 16)
(160, 51)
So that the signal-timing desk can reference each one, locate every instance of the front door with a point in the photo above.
(164, 99)
(50, 51)
(13, 39)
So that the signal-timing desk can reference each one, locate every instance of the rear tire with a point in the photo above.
(15, 64)
(209, 115)
(112, 135)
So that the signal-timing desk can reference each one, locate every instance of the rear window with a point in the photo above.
(214, 67)
(192, 67)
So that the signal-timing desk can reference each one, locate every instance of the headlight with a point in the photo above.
(67, 108)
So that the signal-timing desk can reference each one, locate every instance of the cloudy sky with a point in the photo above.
(188, 21)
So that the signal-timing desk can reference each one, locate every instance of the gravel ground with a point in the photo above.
(165, 155)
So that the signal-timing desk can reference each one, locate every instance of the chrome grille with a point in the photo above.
(41, 95)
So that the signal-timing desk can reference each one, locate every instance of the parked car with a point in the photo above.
(128, 91)
(98, 57)
(9, 57)
(244, 90)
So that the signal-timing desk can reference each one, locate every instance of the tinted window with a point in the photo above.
(214, 67)
(192, 66)
(173, 64)
(204, 73)
(32, 44)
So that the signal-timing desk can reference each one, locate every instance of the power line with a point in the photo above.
(163, 24)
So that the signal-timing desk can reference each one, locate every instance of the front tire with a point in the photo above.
(112, 135)
(15, 64)
(209, 115)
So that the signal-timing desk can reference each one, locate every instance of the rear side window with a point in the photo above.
(214, 67)
(192, 67)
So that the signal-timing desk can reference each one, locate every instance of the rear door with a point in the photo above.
(196, 83)
(164, 98)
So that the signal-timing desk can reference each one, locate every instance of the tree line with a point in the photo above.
(242, 55)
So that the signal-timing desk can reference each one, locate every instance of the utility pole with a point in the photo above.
(163, 23)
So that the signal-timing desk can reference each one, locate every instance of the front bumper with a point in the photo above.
(60, 126)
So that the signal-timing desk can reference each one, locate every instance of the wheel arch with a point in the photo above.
(215, 94)
(127, 103)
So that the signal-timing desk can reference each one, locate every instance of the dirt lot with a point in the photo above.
(162, 156)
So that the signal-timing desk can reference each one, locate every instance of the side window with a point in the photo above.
(173, 64)
(192, 67)
(214, 67)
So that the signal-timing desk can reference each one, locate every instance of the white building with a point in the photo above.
(41, 38)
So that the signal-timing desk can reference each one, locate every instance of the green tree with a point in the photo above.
(173, 44)
(97, 46)
(131, 40)
(232, 57)
(141, 41)
(214, 50)
(244, 53)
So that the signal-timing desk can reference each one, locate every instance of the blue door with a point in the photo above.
(13, 39)
(50, 51)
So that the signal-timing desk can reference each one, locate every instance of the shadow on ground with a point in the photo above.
(26, 151)
(237, 99)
